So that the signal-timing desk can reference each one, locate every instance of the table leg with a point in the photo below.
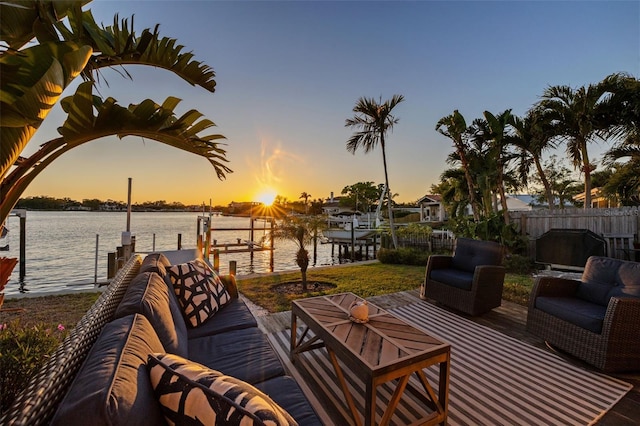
(345, 389)
(292, 346)
(443, 387)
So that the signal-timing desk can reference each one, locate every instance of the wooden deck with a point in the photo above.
(509, 319)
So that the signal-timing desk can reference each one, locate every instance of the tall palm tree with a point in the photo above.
(33, 78)
(454, 127)
(575, 116)
(498, 133)
(531, 137)
(374, 119)
(306, 197)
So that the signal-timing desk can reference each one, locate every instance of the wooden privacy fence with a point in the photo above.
(619, 226)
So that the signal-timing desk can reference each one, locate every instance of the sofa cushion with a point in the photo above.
(579, 312)
(113, 386)
(453, 277)
(287, 394)
(150, 296)
(235, 315)
(245, 354)
(199, 290)
(470, 253)
(155, 262)
(191, 393)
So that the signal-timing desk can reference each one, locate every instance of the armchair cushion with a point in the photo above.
(582, 313)
(471, 253)
(605, 277)
(628, 284)
(453, 277)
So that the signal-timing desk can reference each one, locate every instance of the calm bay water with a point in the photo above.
(61, 246)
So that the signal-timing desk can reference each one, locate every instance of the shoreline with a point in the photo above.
(101, 288)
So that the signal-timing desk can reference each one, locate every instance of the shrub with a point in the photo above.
(518, 264)
(22, 352)
(403, 256)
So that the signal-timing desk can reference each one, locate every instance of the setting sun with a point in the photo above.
(267, 197)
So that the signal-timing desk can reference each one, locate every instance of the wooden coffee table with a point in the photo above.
(382, 350)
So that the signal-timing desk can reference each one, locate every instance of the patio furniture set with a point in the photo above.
(596, 319)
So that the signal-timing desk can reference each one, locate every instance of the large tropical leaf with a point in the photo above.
(118, 45)
(31, 82)
(147, 120)
(23, 20)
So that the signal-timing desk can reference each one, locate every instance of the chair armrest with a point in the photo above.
(230, 284)
(552, 287)
(621, 323)
(488, 276)
(438, 261)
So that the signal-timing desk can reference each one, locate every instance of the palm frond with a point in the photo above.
(147, 120)
(118, 44)
(31, 83)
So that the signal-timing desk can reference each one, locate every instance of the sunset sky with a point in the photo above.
(289, 73)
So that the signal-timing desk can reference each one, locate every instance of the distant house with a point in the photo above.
(519, 202)
(598, 201)
(332, 205)
(431, 208)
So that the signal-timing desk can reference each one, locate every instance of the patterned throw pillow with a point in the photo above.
(200, 291)
(193, 394)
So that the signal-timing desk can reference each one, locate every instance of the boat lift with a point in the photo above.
(210, 247)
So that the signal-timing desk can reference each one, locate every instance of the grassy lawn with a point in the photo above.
(364, 280)
(50, 311)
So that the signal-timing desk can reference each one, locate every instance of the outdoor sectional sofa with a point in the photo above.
(101, 373)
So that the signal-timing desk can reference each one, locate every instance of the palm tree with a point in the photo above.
(497, 126)
(33, 78)
(306, 198)
(531, 138)
(454, 127)
(296, 229)
(374, 119)
(576, 118)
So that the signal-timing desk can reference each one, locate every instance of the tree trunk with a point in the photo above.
(394, 237)
(587, 175)
(545, 182)
(472, 192)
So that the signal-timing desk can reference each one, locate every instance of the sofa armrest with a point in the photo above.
(231, 285)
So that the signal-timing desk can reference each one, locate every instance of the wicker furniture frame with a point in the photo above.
(485, 293)
(617, 348)
(38, 402)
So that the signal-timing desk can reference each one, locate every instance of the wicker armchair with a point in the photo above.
(470, 281)
(596, 319)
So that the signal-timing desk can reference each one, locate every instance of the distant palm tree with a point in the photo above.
(454, 127)
(306, 198)
(374, 119)
(296, 229)
(576, 119)
(532, 138)
(498, 135)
